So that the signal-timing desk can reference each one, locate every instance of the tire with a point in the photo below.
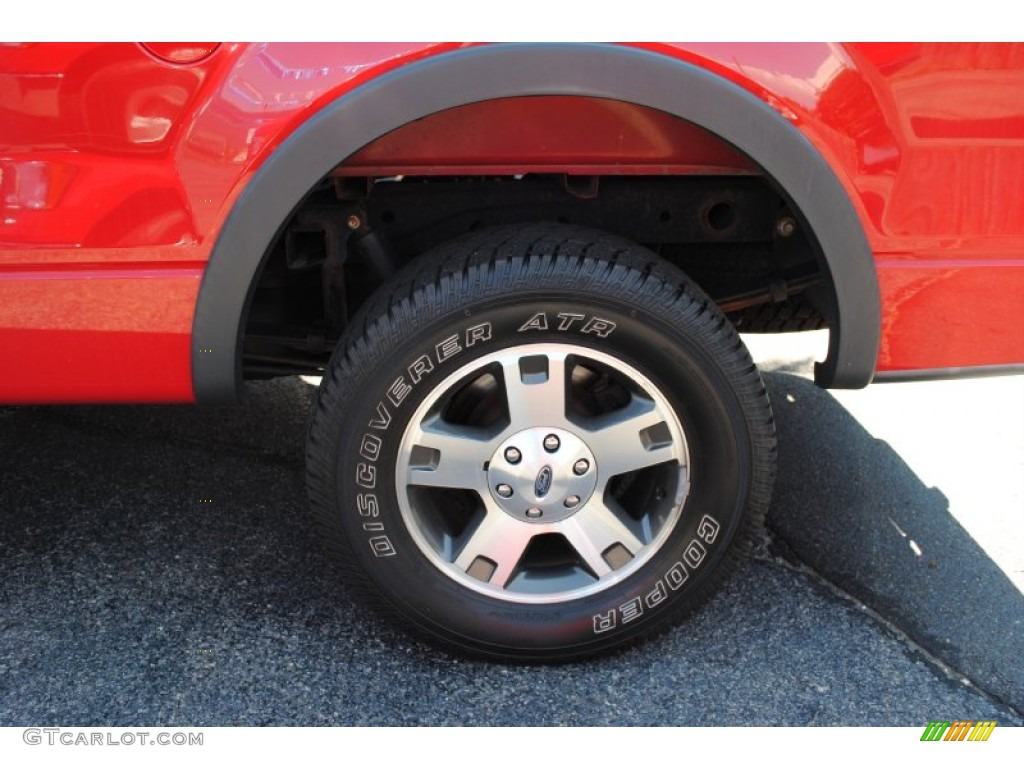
(540, 442)
(792, 315)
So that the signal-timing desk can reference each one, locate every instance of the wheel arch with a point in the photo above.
(506, 70)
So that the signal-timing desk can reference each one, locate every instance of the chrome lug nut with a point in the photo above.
(581, 467)
(533, 512)
(551, 443)
(572, 501)
(504, 490)
(513, 455)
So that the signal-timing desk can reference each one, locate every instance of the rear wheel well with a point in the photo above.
(243, 287)
(735, 236)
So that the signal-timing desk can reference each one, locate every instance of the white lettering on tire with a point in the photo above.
(694, 556)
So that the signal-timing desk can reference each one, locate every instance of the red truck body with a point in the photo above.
(119, 171)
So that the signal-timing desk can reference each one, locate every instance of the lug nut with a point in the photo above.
(551, 443)
(513, 455)
(572, 501)
(581, 467)
(533, 512)
(504, 490)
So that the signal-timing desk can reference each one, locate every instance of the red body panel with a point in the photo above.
(117, 171)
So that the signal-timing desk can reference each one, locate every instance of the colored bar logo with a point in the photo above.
(958, 730)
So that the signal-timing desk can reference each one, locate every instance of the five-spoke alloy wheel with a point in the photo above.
(540, 442)
(547, 470)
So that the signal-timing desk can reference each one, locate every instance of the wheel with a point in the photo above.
(540, 442)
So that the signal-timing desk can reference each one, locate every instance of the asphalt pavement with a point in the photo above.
(157, 568)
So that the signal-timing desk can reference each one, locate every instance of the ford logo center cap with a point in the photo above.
(543, 482)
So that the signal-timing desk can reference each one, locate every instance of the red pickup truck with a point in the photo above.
(520, 270)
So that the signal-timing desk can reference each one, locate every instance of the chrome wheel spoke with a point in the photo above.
(444, 458)
(495, 547)
(535, 390)
(600, 537)
(632, 438)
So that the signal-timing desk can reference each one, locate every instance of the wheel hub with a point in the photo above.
(542, 475)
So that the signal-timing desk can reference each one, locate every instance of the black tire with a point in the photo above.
(637, 337)
(792, 315)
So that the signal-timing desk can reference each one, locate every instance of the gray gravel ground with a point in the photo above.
(156, 569)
